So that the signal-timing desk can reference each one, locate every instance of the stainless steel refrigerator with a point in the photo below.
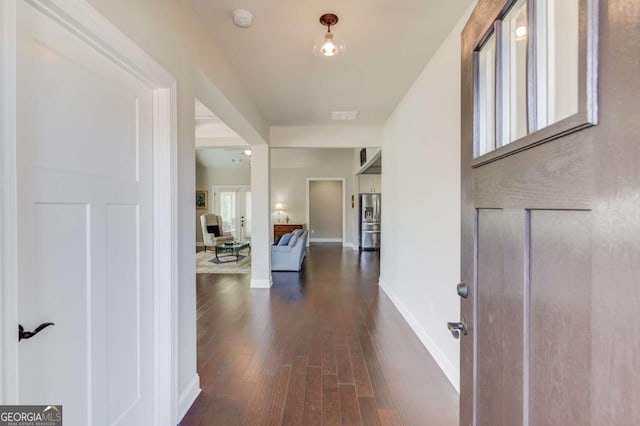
(370, 221)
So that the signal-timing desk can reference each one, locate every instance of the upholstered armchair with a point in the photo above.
(210, 224)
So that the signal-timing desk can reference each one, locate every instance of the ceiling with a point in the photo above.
(208, 125)
(388, 44)
(222, 158)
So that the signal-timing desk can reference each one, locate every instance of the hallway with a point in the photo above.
(321, 347)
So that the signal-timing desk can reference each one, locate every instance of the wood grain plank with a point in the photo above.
(378, 382)
(313, 397)
(330, 400)
(350, 412)
(257, 401)
(368, 412)
(390, 417)
(328, 355)
(315, 349)
(359, 368)
(274, 409)
(252, 373)
(294, 409)
(343, 361)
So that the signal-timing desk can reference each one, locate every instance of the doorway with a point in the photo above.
(233, 204)
(326, 212)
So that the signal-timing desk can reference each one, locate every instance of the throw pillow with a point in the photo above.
(275, 243)
(284, 240)
(214, 229)
(293, 240)
(298, 232)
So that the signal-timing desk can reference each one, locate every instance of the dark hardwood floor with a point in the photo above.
(324, 346)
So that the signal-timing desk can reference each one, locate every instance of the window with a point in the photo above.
(557, 62)
(535, 76)
(487, 97)
(228, 210)
(514, 63)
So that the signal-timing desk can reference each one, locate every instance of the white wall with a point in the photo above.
(207, 177)
(421, 204)
(290, 169)
(345, 136)
(172, 34)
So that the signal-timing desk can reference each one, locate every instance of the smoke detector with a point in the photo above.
(242, 17)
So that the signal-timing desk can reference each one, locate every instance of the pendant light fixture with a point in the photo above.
(329, 44)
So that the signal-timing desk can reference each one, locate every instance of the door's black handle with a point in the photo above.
(29, 334)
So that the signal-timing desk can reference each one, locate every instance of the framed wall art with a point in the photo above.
(202, 200)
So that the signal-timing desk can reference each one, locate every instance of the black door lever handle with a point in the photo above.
(29, 334)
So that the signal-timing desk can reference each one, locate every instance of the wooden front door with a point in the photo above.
(551, 224)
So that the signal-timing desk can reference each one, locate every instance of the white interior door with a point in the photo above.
(233, 204)
(85, 252)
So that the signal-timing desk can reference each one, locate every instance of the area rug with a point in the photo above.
(206, 263)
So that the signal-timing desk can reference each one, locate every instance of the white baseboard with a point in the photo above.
(199, 244)
(354, 246)
(450, 371)
(261, 283)
(325, 240)
(188, 396)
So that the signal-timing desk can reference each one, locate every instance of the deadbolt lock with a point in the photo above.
(463, 290)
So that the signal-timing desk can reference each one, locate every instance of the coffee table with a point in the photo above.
(231, 249)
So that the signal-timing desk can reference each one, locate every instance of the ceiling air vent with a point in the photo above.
(344, 115)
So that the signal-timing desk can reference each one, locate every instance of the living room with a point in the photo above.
(294, 172)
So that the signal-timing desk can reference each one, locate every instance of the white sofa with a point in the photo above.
(289, 257)
(209, 239)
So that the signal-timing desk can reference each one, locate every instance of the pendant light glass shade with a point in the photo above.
(329, 45)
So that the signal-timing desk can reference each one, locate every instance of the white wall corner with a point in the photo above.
(188, 396)
(450, 371)
(261, 283)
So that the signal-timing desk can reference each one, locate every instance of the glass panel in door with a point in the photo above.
(247, 215)
(486, 98)
(234, 206)
(514, 84)
(558, 30)
(227, 210)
